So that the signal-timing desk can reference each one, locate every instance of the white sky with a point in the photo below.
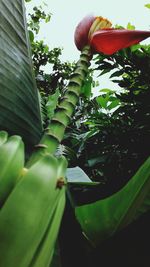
(67, 14)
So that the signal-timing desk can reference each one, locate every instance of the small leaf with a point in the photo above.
(147, 5)
(76, 174)
(47, 19)
(106, 90)
(117, 73)
(52, 103)
(118, 27)
(86, 89)
(130, 26)
(31, 36)
(135, 47)
(102, 101)
(77, 178)
(114, 104)
(92, 162)
(104, 72)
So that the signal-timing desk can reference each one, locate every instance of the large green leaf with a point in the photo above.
(19, 102)
(103, 218)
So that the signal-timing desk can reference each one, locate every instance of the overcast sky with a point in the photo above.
(67, 13)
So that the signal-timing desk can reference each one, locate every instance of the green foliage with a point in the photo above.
(60, 71)
(114, 127)
(42, 57)
(48, 106)
(108, 101)
(130, 26)
(147, 5)
(86, 89)
(36, 18)
(106, 138)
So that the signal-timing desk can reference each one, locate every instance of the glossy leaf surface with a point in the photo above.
(103, 218)
(19, 103)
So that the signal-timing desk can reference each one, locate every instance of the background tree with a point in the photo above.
(111, 132)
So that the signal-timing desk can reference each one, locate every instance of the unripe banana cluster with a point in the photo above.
(31, 205)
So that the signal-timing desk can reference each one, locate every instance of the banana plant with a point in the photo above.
(32, 199)
(32, 195)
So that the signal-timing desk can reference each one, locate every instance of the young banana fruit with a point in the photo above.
(11, 163)
(26, 219)
(3, 137)
(44, 253)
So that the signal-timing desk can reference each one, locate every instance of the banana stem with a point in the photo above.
(54, 133)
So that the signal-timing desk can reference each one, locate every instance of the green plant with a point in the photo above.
(32, 209)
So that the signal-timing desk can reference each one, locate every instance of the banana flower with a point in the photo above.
(97, 32)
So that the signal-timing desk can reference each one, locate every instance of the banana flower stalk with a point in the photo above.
(92, 35)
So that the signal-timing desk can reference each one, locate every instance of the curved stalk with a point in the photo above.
(54, 133)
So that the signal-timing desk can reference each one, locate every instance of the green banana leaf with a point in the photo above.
(103, 218)
(19, 101)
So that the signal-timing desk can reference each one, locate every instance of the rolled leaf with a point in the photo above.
(19, 103)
